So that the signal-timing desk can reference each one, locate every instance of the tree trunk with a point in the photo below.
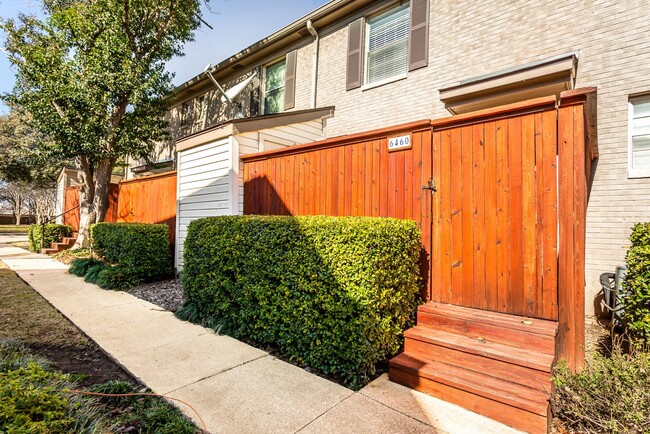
(102, 185)
(86, 201)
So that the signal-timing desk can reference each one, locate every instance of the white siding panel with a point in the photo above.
(203, 185)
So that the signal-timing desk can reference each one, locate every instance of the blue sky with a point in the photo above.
(261, 18)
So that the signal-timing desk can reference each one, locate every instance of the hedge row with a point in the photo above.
(334, 293)
(54, 233)
(637, 283)
(141, 249)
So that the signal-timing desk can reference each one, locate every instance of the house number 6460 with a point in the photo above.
(397, 143)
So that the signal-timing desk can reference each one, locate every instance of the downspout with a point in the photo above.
(314, 77)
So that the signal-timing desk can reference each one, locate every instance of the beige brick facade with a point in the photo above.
(473, 38)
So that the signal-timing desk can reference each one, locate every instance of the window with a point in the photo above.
(274, 87)
(186, 113)
(387, 45)
(639, 140)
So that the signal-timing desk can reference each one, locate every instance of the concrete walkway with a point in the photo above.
(233, 386)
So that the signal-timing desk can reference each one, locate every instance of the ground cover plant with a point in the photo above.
(611, 394)
(53, 234)
(333, 293)
(126, 254)
(636, 285)
(42, 355)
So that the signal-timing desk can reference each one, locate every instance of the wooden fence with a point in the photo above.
(490, 191)
(150, 199)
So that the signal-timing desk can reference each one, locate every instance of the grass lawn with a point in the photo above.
(13, 229)
(44, 353)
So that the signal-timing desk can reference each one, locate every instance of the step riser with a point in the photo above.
(489, 332)
(532, 378)
(511, 416)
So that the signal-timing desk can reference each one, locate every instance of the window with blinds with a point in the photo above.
(639, 124)
(387, 44)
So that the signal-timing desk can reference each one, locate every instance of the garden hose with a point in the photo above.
(83, 392)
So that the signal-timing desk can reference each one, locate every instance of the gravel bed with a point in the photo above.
(167, 294)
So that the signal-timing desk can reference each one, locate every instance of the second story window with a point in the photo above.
(186, 113)
(387, 44)
(274, 87)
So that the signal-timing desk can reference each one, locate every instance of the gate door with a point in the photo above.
(495, 213)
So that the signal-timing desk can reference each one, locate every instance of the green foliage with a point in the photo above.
(611, 394)
(35, 399)
(332, 293)
(117, 278)
(79, 267)
(93, 273)
(637, 284)
(20, 159)
(53, 234)
(142, 249)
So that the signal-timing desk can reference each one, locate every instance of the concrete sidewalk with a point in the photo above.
(233, 386)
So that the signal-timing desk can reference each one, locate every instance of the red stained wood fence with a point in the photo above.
(150, 199)
(505, 180)
(72, 200)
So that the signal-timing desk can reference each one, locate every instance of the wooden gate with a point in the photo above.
(495, 213)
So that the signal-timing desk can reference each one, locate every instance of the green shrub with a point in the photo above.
(93, 272)
(611, 394)
(334, 293)
(142, 248)
(79, 267)
(116, 278)
(637, 284)
(53, 234)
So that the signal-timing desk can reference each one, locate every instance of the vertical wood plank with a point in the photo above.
(399, 183)
(383, 178)
(478, 216)
(426, 215)
(376, 177)
(457, 241)
(467, 198)
(490, 154)
(445, 217)
(408, 193)
(436, 243)
(549, 210)
(515, 205)
(529, 219)
(348, 192)
(566, 337)
(333, 169)
(503, 216)
(367, 184)
(580, 177)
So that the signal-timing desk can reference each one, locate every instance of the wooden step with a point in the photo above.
(418, 338)
(532, 378)
(517, 406)
(492, 326)
(49, 251)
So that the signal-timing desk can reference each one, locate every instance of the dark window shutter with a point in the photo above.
(419, 37)
(355, 54)
(290, 81)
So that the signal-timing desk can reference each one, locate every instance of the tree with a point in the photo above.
(92, 77)
(29, 176)
(14, 198)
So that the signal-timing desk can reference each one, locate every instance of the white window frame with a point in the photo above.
(632, 172)
(366, 50)
(263, 99)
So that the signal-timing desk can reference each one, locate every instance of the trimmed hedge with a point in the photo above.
(141, 248)
(53, 234)
(637, 283)
(334, 293)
